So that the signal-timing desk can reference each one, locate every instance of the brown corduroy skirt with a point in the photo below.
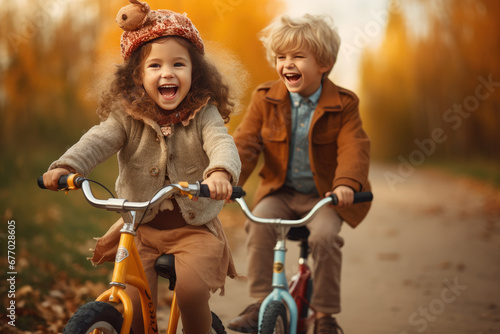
(196, 249)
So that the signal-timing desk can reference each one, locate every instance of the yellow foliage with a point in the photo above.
(444, 79)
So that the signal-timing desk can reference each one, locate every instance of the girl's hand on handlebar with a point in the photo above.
(345, 196)
(51, 178)
(219, 184)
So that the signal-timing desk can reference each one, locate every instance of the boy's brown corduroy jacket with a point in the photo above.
(338, 146)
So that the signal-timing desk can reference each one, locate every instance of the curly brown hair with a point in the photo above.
(126, 90)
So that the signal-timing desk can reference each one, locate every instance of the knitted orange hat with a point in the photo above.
(141, 24)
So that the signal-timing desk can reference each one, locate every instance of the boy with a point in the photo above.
(310, 133)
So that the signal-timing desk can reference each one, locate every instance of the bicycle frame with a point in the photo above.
(128, 267)
(292, 292)
(300, 288)
(281, 291)
(280, 285)
(128, 270)
(279, 282)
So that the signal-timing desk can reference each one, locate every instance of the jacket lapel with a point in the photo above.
(278, 96)
(329, 101)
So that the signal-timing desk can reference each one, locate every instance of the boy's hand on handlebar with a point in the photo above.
(219, 184)
(345, 196)
(51, 178)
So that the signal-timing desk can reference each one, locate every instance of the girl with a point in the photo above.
(164, 114)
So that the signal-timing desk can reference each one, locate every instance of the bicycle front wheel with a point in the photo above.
(274, 320)
(100, 317)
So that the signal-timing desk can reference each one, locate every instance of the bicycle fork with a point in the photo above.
(128, 269)
(280, 285)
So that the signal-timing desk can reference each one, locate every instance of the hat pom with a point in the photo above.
(133, 16)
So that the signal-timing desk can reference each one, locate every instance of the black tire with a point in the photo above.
(274, 320)
(103, 316)
(217, 325)
(95, 315)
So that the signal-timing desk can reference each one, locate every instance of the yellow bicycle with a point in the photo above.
(101, 316)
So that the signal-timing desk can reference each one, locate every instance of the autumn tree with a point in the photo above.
(387, 88)
(46, 52)
(440, 78)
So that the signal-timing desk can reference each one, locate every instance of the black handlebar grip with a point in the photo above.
(237, 192)
(63, 182)
(40, 183)
(366, 196)
(204, 191)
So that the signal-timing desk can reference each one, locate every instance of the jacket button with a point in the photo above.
(191, 215)
(154, 171)
(171, 157)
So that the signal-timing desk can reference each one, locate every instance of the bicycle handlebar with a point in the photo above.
(366, 196)
(238, 192)
(332, 199)
(75, 181)
(70, 181)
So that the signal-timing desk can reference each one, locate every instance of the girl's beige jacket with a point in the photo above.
(145, 156)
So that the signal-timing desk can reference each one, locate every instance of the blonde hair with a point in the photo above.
(311, 31)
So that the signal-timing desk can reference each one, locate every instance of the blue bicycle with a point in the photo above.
(293, 296)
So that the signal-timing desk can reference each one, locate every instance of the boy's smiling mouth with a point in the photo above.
(168, 91)
(292, 77)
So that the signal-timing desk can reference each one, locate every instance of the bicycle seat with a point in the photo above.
(165, 267)
(298, 233)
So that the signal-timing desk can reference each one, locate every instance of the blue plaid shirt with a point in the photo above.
(299, 175)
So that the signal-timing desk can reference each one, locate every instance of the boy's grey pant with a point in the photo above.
(324, 242)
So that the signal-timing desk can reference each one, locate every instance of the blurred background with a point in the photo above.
(427, 74)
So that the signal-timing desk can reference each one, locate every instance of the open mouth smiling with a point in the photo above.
(292, 77)
(168, 91)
